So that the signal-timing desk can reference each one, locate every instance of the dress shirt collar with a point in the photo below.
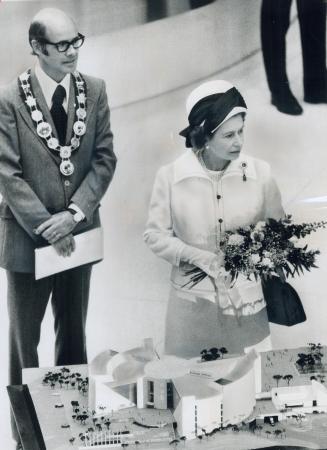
(48, 85)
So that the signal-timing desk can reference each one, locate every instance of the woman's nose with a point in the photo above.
(238, 140)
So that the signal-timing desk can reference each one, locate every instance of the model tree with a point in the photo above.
(288, 378)
(223, 351)
(277, 377)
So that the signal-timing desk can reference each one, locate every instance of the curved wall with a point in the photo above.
(164, 55)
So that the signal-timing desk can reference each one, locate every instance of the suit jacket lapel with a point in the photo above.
(70, 111)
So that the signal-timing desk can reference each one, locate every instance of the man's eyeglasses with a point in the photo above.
(63, 46)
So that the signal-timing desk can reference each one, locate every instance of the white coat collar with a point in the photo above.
(188, 166)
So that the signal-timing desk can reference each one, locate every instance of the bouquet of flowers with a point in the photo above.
(265, 248)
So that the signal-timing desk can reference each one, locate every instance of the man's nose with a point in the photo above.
(71, 51)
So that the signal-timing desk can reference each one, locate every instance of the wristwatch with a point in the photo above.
(77, 216)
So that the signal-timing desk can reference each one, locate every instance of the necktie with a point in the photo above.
(58, 113)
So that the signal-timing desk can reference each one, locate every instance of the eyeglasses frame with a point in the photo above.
(69, 43)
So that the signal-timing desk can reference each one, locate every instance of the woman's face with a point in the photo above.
(226, 143)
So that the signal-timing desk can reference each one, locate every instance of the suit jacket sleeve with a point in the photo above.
(97, 180)
(26, 207)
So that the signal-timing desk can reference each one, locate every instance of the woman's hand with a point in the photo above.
(216, 265)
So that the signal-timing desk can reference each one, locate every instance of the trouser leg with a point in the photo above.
(312, 18)
(69, 304)
(275, 21)
(27, 301)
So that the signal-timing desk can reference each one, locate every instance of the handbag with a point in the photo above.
(284, 306)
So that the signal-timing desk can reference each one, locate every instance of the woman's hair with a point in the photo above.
(209, 106)
(199, 136)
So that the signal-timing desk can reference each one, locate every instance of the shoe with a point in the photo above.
(287, 104)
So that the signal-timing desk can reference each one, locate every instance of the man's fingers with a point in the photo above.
(41, 228)
(67, 245)
(58, 250)
(52, 235)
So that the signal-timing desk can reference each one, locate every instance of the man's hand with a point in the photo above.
(65, 246)
(58, 226)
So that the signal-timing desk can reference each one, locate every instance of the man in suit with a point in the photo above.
(56, 162)
(275, 21)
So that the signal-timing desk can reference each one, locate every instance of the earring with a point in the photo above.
(206, 146)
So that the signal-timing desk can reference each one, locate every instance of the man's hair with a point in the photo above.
(37, 32)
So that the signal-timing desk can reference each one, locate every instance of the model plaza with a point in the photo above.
(137, 397)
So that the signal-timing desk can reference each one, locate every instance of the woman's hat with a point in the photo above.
(209, 105)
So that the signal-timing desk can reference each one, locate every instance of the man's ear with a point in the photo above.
(36, 47)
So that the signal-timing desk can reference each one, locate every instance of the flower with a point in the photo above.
(260, 225)
(267, 262)
(294, 241)
(255, 258)
(235, 239)
(257, 236)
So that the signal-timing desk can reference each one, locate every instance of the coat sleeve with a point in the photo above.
(87, 197)
(159, 233)
(24, 204)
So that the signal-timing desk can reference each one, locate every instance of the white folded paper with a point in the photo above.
(89, 248)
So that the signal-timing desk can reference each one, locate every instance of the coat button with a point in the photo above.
(218, 197)
(67, 183)
(220, 220)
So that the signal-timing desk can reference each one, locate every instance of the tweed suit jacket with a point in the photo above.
(31, 184)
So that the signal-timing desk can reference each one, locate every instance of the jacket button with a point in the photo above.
(67, 183)
(220, 220)
(218, 197)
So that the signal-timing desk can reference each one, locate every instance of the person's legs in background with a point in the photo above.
(312, 18)
(275, 21)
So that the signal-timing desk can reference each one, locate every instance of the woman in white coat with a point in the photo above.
(211, 188)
